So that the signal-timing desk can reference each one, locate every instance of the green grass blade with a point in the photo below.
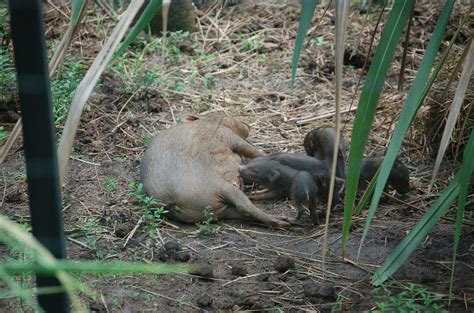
(9, 229)
(307, 11)
(87, 267)
(413, 102)
(144, 19)
(369, 97)
(466, 173)
(367, 193)
(411, 241)
(76, 9)
(16, 290)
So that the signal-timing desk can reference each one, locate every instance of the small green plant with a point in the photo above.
(110, 185)
(147, 142)
(318, 41)
(337, 307)
(24, 223)
(3, 134)
(209, 80)
(181, 301)
(92, 227)
(7, 75)
(263, 57)
(147, 204)
(172, 45)
(63, 87)
(412, 298)
(7, 68)
(205, 227)
(251, 43)
(133, 73)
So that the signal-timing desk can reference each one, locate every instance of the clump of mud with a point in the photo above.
(172, 251)
(284, 263)
(202, 269)
(238, 269)
(312, 291)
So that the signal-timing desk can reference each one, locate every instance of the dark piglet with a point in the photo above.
(399, 178)
(317, 168)
(283, 182)
(319, 143)
(305, 190)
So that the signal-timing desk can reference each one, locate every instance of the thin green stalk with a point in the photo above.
(87, 267)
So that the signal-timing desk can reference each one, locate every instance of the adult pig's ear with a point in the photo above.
(274, 175)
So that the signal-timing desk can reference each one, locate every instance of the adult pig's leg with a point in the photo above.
(242, 205)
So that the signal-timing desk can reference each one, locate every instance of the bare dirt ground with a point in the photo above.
(238, 60)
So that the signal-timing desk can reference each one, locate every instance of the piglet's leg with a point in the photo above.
(300, 209)
(313, 212)
(242, 205)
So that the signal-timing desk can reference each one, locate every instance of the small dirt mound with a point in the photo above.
(238, 269)
(172, 251)
(314, 290)
(203, 269)
(123, 229)
(284, 263)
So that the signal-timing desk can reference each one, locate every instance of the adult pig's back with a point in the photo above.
(179, 168)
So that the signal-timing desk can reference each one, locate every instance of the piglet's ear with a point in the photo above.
(274, 176)
(191, 118)
(324, 180)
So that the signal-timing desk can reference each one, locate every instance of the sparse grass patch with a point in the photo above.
(3, 134)
(412, 298)
(110, 185)
(318, 41)
(206, 227)
(24, 223)
(250, 44)
(63, 87)
(138, 75)
(7, 74)
(147, 141)
(7, 68)
(148, 205)
(135, 74)
(92, 228)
